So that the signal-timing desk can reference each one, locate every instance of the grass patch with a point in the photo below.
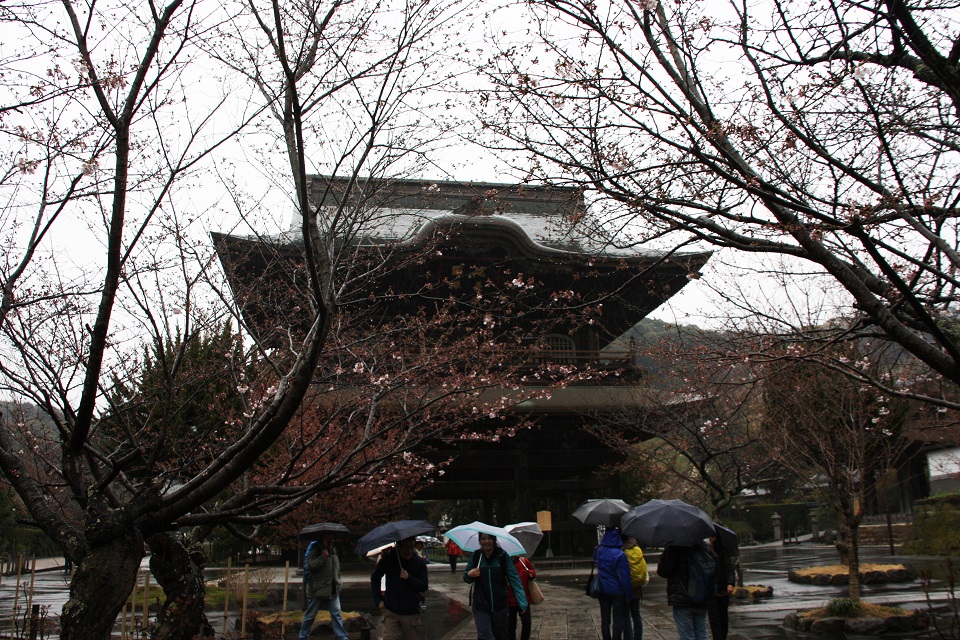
(842, 570)
(214, 597)
(850, 608)
(294, 617)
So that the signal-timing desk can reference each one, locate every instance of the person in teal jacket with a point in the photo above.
(489, 571)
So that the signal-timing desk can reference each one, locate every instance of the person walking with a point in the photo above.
(527, 572)
(678, 565)
(614, 589)
(718, 612)
(322, 584)
(405, 575)
(490, 571)
(453, 554)
(638, 578)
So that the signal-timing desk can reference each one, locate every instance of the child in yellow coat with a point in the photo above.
(638, 578)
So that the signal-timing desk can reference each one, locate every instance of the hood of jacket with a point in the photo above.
(612, 539)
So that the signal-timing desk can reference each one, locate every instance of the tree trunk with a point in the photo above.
(178, 567)
(101, 585)
(855, 560)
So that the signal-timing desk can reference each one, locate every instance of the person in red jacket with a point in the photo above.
(453, 554)
(527, 572)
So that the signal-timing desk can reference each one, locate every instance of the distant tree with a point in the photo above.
(839, 432)
(699, 428)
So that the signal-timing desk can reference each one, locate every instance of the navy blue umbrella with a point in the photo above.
(392, 532)
(729, 540)
(316, 531)
(658, 523)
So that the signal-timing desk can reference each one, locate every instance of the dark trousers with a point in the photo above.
(635, 620)
(614, 609)
(719, 614)
(453, 563)
(526, 621)
(491, 625)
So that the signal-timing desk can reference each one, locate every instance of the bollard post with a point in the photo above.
(146, 601)
(283, 612)
(243, 608)
(777, 531)
(33, 575)
(226, 597)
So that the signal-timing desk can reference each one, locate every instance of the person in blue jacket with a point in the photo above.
(615, 590)
(489, 571)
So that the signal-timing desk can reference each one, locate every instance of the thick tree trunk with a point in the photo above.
(101, 585)
(178, 567)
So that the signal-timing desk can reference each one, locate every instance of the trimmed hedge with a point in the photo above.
(936, 527)
(794, 517)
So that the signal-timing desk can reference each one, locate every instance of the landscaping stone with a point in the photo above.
(828, 625)
(753, 592)
(895, 574)
(865, 626)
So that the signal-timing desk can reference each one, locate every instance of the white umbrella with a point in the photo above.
(528, 533)
(467, 536)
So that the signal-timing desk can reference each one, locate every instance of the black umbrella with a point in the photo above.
(729, 540)
(392, 532)
(316, 531)
(658, 523)
(605, 511)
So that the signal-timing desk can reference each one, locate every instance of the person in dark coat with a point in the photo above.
(406, 582)
(719, 610)
(490, 570)
(615, 590)
(690, 618)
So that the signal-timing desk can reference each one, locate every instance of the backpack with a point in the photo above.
(703, 575)
(306, 570)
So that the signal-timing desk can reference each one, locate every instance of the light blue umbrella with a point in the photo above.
(467, 537)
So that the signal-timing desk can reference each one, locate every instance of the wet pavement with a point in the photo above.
(567, 613)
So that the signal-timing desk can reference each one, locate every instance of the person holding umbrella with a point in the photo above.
(527, 572)
(691, 580)
(322, 584)
(719, 609)
(490, 570)
(406, 582)
(615, 590)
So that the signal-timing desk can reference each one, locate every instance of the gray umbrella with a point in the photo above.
(658, 523)
(528, 533)
(605, 511)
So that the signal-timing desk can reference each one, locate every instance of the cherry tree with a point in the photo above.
(821, 140)
(112, 112)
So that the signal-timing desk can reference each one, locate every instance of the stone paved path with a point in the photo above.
(566, 613)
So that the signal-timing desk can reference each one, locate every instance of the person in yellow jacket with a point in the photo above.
(638, 578)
